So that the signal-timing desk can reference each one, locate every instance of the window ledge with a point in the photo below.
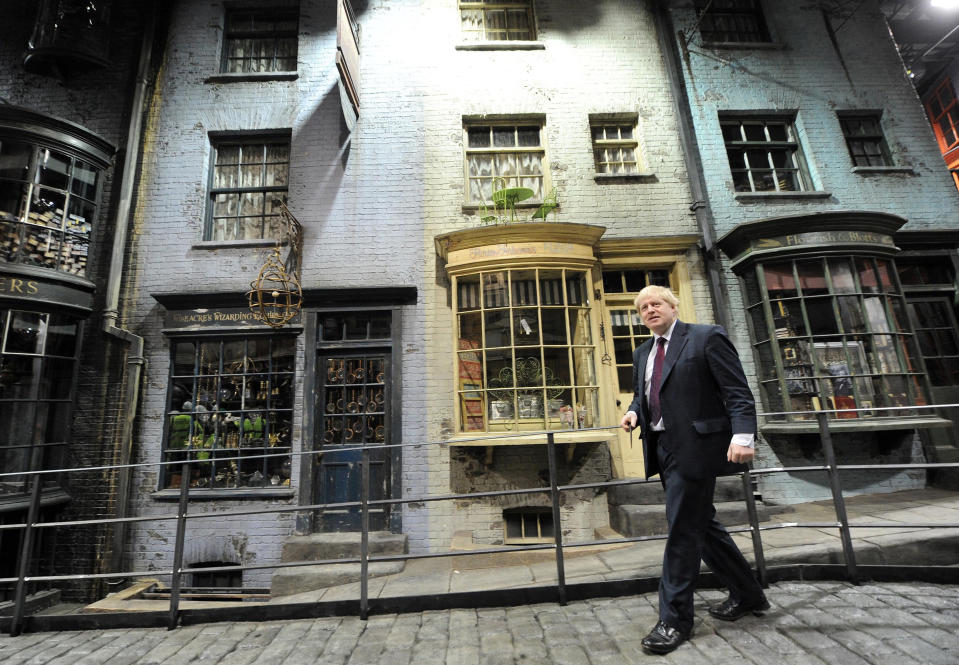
(857, 425)
(880, 170)
(200, 494)
(240, 77)
(228, 244)
(769, 46)
(501, 46)
(539, 438)
(780, 196)
(624, 177)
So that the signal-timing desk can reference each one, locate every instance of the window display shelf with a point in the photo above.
(874, 424)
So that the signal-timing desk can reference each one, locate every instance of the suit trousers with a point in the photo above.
(695, 535)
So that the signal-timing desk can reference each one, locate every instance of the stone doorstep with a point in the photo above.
(650, 519)
(288, 581)
(728, 488)
(325, 546)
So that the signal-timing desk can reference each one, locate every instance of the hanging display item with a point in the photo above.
(275, 296)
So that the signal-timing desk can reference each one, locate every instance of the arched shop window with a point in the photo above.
(37, 359)
(525, 355)
(832, 332)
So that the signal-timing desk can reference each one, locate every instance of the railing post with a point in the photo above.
(178, 545)
(557, 525)
(754, 528)
(839, 503)
(365, 533)
(26, 555)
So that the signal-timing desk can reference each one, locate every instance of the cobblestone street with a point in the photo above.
(811, 623)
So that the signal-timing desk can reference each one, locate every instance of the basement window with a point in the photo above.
(528, 526)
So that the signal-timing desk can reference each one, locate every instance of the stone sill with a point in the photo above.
(780, 196)
(882, 170)
(234, 244)
(242, 77)
(501, 46)
(605, 178)
(768, 46)
(200, 494)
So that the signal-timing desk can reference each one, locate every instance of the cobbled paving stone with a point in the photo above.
(809, 624)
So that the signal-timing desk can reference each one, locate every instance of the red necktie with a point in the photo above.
(655, 408)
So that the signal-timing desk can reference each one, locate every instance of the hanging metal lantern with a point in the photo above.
(275, 295)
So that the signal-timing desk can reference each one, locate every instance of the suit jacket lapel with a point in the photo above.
(676, 344)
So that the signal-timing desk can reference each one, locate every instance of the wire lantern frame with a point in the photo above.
(275, 296)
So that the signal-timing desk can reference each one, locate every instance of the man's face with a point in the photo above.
(657, 314)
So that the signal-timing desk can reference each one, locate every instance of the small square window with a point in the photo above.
(615, 148)
(732, 21)
(864, 138)
(259, 41)
(249, 184)
(511, 20)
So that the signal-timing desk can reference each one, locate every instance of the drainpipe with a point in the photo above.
(135, 357)
(694, 167)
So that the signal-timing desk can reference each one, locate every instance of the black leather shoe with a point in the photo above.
(731, 610)
(664, 638)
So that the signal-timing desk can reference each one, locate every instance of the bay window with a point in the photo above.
(525, 358)
(832, 333)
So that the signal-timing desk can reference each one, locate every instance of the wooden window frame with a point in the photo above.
(516, 150)
(747, 148)
(858, 144)
(506, 6)
(710, 12)
(604, 142)
(277, 35)
(266, 216)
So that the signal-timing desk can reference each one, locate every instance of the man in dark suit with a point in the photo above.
(698, 420)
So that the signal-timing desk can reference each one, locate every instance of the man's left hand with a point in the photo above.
(740, 454)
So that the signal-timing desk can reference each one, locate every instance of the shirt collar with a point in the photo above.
(667, 335)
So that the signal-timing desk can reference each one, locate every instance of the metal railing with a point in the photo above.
(18, 622)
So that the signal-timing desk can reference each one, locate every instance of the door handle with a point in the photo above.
(618, 403)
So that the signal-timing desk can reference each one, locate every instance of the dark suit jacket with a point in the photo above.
(704, 396)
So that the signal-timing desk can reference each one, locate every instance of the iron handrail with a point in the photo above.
(554, 489)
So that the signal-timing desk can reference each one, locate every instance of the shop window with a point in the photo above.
(732, 21)
(615, 148)
(528, 526)
(764, 154)
(37, 365)
(231, 402)
(833, 334)
(865, 140)
(511, 20)
(504, 156)
(260, 41)
(48, 206)
(249, 184)
(525, 351)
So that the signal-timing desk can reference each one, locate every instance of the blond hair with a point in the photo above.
(655, 291)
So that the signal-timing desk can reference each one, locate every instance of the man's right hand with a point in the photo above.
(628, 423)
